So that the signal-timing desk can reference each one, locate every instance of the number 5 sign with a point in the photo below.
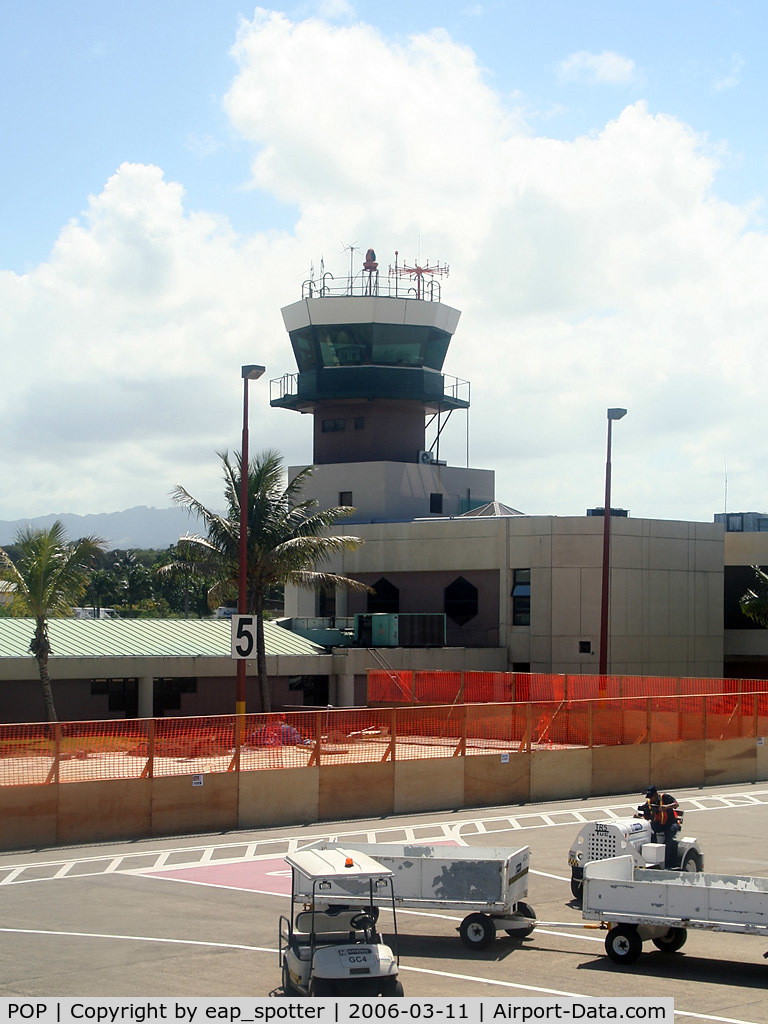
(243, 636)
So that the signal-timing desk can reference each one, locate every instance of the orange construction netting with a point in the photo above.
(37, 753)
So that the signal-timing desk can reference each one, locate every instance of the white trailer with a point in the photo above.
(637, 905)
(489, 884)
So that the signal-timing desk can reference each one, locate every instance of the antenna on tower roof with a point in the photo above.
(351, 248)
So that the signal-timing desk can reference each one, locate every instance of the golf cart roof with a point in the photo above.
(319, 863)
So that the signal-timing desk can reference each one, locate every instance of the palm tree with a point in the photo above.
(754, 604)
(50, 576)
(287, 540)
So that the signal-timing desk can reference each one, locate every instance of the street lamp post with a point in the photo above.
(250, 372)
(613, 414)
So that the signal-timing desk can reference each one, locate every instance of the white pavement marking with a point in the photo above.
(555, 992)
(414, 970)
(136, 938)
(12, 876)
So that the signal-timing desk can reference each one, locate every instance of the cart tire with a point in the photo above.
(672, 941)
(525, 910)
(319, 987)
(692, 861)
(477, 931)
(577, 888)
(288, 988)
(623, 945)
(393, 988)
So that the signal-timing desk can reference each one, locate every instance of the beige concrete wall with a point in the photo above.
(346, 790)
(285, 796)
(621, 769)
(729, 761)
(178, 806)
(557, 774)
(430, 784)
(134, 808)
(666, 610)
(29, 816)
(490, 781)
(105, 809)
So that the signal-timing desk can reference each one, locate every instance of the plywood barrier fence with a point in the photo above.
(114, 809)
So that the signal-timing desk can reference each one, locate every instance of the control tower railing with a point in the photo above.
(369, 283)
(455, 390)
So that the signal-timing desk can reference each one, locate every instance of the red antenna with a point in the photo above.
(417, 271)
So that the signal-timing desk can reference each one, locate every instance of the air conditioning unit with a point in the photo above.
(426, 459)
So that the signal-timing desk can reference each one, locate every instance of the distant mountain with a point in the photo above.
(139, 527)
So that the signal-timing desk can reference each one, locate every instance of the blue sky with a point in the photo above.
(593, 172)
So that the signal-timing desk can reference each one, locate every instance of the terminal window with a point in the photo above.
(332, 426)
(521, 597)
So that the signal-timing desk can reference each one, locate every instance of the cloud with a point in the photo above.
(600, 271)
(606, 68)
(732, 77)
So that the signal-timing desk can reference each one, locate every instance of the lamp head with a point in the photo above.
(252, 372)
(616, 414)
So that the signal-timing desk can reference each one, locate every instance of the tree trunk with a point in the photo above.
(50, 709)
(261, 655)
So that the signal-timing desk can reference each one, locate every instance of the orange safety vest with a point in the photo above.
(660, 813)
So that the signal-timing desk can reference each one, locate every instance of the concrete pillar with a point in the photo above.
(146, 696)
(345, 690)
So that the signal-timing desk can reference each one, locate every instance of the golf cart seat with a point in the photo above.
(328, 927)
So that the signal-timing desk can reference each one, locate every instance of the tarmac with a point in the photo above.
(198, 915)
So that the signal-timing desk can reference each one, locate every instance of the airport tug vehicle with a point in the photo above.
(599, 840)
(329, 945)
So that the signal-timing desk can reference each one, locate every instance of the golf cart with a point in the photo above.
(330, 946)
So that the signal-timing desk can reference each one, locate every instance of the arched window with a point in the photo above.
(386, 597)
(460, 601)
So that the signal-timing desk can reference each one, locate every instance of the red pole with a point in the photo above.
(243, 553)
(613, 414)
(603, 666)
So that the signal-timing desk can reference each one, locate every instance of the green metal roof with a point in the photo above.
(143, 638)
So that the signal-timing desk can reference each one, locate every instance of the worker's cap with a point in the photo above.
(651, 791)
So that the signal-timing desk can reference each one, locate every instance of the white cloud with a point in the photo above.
(605, 68)
(732, 77)
(598, 272)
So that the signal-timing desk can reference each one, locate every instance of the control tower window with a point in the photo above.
(385, 597)
(304, 349)
(460, 601)
(335, 345)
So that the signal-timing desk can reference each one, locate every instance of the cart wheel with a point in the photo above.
(393, 987)
(319, 987)
(477, 931)
(692, 861)
(577, 888)
(288, 988)
(525, 910)
(672, 941)
(623, 945)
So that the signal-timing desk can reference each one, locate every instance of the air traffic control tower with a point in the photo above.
(370, 350)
